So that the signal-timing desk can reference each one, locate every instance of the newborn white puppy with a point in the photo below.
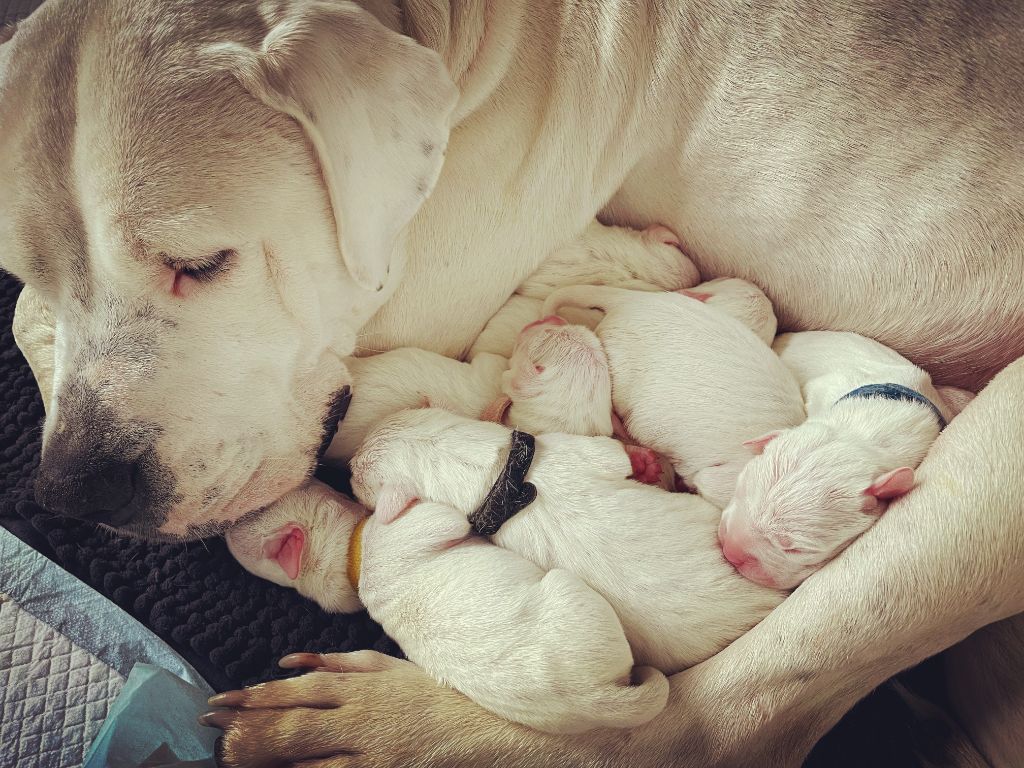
(643, 260)
(872, 415)
(542, 649)
(689, 381)
(653, 555)
(740, 299)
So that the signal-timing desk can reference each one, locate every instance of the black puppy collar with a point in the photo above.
(510, 492)
(896, 392)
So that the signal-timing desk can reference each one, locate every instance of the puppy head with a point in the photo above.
(428, 454)
(805, 498)
(209, 233)
(558, 380)
(301, 541)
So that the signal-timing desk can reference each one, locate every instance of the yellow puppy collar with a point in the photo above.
(355, 553)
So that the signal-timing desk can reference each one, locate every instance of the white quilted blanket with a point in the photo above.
(55, 695)
(65, 652)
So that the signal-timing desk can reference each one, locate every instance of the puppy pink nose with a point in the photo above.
(736, 555)
(549, 320)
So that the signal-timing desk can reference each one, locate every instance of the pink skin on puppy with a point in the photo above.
(301, 542)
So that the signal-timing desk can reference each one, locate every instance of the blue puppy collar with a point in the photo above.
(895, 392)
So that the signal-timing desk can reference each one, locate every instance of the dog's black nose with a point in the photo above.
(96, 488)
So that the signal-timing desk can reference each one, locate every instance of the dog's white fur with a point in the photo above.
(535, 647)
(688, 381)
(684, 603)
(403, 378)
(691, 115)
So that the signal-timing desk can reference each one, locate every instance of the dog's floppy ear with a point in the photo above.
(374, 104)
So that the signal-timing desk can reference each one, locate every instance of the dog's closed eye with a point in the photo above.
(199, 271)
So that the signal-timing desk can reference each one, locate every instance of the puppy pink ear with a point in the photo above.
(285, 547)
(892, 484)
(392, 502)
(757, 445)
(497, 410)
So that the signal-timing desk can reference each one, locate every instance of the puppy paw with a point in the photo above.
(645, 463)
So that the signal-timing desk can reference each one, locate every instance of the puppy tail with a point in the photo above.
(627, 706)
(599, 297)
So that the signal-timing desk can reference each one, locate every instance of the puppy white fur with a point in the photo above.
(403, 378)
(558, 377)
(742, 300)
(301, 542)
(653, 554)
(765, 152)
(406, 378)
(688, 381)
(541, 649)
(648, 260)
(814, 488)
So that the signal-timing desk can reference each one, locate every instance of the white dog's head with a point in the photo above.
(302, 542)
(812, 490)
(429, 454)
(558, 380)
(208, 197)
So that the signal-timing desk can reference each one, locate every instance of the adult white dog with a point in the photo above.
(214, 198)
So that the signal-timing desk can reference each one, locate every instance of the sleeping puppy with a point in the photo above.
(812, 489)
(688, 381)
(538, 648)
(652, 554)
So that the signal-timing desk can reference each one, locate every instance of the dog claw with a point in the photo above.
(222, 720)
(301, 661)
